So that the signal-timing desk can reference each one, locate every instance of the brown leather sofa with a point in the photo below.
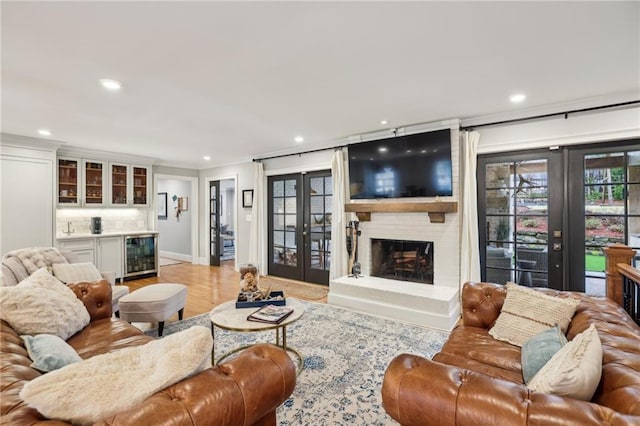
(244, 391)
(477, 380)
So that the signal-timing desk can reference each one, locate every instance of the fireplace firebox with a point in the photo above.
(402, 260)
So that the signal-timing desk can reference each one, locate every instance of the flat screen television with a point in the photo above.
(417, 165)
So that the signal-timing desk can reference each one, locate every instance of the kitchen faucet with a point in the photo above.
(69, 231)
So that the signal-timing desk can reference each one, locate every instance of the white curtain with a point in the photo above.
(257, 237)
(339, 261)
(469, 250)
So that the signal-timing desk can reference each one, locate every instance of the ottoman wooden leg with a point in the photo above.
(160, 328)
(180, 312)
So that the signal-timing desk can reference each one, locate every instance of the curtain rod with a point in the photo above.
(494, 123)
(255, 160)
(553, 114)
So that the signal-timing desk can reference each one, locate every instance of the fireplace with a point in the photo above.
(402, 260)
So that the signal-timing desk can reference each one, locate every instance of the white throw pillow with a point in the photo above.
(111, 383)
(527, 312)
(575, 370)
(41, 304)
(76, 272)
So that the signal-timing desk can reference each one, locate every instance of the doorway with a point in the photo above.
(299, 226)
(222, 233)
(546, 215)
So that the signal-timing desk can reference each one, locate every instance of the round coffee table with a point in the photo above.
(228, 317)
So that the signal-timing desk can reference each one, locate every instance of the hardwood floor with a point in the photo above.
(207, 286)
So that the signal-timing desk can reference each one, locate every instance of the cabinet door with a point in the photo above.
(69, 185)
(95, 178)
(141, 185)
(119, 177)
(109, 255)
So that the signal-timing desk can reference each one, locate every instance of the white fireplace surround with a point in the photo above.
(436, 305)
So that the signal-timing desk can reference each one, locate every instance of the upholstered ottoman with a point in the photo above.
(154, 303)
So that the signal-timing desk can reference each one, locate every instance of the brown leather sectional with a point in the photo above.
(243, 391)
(477, 380)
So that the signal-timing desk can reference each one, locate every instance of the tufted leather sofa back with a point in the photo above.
(96, 297)
(619, 387)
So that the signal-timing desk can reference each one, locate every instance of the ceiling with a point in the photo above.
(239, 80)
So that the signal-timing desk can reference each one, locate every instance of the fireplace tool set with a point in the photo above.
(352, 248)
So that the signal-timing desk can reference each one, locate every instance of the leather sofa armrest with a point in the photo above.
(481, 303)
(96, 297)
(418, 391)
(243, 391)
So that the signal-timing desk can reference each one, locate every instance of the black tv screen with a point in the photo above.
(417, 165)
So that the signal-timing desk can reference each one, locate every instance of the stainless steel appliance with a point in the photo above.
(141, 255)
(96, 225)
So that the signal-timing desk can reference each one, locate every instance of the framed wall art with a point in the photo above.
(247, 198)
(162, 205)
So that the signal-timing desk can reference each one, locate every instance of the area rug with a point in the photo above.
(345, 356)
(297, 289)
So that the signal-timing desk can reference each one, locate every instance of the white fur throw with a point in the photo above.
(108, 384)
(43, 305)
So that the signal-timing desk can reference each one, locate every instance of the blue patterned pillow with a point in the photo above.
(539, 349)
(49, 352)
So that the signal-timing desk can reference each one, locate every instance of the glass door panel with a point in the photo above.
(214, 223)
(283, 224)
(140, 187)
(317, 226)
(518, 211)
(93, 182)
(68, 181)
(119, 178)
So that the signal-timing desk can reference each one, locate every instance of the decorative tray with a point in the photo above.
(275, 298)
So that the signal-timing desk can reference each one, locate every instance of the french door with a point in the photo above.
(299, 221)
(214, 223)
(520, 203)
(545, 216)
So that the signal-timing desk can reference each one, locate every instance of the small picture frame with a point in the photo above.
(247, 198)
(183, 204)
(162, 205)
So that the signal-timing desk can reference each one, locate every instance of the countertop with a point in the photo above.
(78, 236)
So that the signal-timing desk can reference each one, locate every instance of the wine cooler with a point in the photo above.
(141, 255)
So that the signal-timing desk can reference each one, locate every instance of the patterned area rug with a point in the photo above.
(345, 356)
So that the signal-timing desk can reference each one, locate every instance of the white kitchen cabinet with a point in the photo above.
(109, 256)
(130, 185)
(82, 182)
(84, 248)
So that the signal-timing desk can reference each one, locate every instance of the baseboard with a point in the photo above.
(175, 256)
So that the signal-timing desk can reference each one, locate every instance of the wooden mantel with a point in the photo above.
(435, 209)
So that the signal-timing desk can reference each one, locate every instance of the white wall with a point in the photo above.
(591, 127)
(175, 232)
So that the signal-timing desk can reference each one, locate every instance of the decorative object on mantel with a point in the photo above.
(247, 198)
(435, 209)
(162, 205)
(352, 248)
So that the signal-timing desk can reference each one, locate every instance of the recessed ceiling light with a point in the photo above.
(44, 132)
(206, 157)
(299, 139)
(110, 84)
(382, 149)
(383, 122)
(517, 98)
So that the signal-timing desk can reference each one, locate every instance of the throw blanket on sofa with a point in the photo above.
(24, 262)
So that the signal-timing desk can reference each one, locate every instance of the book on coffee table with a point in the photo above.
(271, 314)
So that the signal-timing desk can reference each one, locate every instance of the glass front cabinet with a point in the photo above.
(129, 185)
(81, 182)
